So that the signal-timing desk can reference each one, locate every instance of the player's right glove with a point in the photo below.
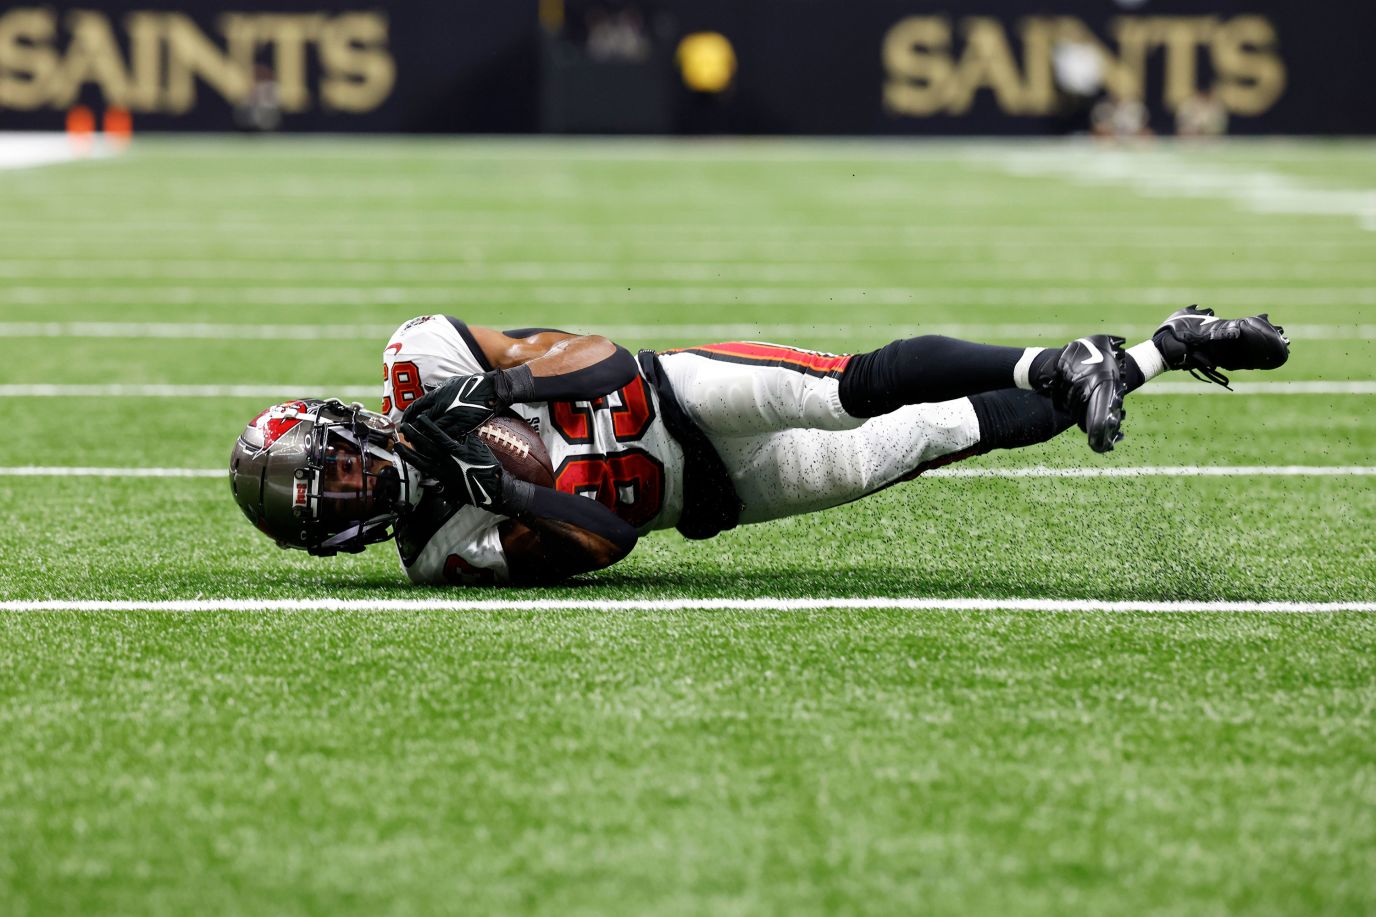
(462, 404)
(465, 467)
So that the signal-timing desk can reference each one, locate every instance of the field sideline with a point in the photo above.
(1044, 682)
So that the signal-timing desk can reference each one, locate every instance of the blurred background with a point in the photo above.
(855, 67)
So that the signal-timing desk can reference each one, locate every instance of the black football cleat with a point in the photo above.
(1194, 339)
(1088, 382)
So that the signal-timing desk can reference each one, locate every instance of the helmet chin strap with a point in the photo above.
(356, 537)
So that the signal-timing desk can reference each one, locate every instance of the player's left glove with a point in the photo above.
(464, 403)
(465, 466)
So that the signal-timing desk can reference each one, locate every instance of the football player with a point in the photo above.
(700, 439)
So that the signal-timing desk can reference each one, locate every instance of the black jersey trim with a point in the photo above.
(710, 502)
(472, 343)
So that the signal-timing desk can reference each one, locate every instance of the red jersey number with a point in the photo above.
(406, 387)
(631, 409)
(461, 573)
(630, 483)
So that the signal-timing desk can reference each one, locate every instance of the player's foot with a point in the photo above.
(1087, 381)
(1194, 339)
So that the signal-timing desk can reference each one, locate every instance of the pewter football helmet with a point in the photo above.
(319, 475)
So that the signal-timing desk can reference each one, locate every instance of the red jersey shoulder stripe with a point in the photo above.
(750, 353)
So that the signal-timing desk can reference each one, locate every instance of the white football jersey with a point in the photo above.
(615, 450)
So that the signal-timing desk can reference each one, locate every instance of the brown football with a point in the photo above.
(518, 447)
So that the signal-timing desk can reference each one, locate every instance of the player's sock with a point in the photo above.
(924, 369)
(1143, 364)
(1035, 367)
(1013, 418)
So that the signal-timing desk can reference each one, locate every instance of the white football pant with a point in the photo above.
(774, 416)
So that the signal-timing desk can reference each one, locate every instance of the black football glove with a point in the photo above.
(466, 467)
(462, 404)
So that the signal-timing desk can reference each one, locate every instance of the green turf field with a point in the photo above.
(604, 760)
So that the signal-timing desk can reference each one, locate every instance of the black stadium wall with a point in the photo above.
(801, 66)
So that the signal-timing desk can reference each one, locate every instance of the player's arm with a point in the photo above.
(545, 366)
(549, 535)
(569, 367)
(553, 535)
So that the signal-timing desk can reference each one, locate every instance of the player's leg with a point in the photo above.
(1013, 418)
(744, 388)
(802, 471)
(937, 368)
(1083, 378)
(1191, 339)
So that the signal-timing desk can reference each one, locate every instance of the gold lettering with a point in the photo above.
(1182, 37)
(289, 34)
(27, 59)
(924, 75)
(1129, 70)
(145, 60)
(1251, 75)
(169, 53)
(1038, 38)
(359, 71)
(93, 56)
(917, 59)
(987, 63)
(1125, 77)
(241, 37)
(191, 54)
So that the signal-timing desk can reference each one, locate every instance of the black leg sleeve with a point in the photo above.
(1014, 417)
(923, 369)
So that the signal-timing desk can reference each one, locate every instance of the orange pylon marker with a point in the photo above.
(81, 129)
(119, 126)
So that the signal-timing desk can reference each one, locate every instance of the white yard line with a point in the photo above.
(1169, 173)
(198, 331)
(186, 391)
(367, 393)
(423, 297)
(700, 332)
(977, 267)
(1161, 471)
(370, 392)
(73, 471)
(654, 605)
(497, 226)
(1037, 471)
(47, 241)
(1295, 387)
(24, 150)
